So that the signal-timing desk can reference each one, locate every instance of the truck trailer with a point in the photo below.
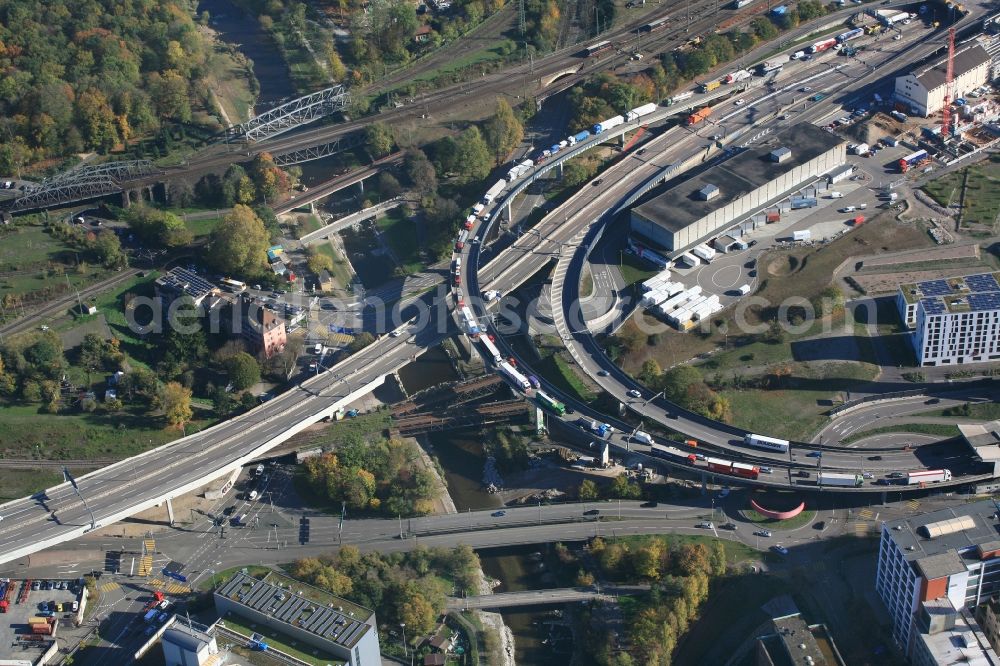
(840, 479)
(642, 437)
(709, 86)
(610, 123)
(511, 373)
(822, 45)
(494, 191)
(738, 75)
(704, 252)
(928, 476)
(912, 160)
(699, 115)
(640, 111)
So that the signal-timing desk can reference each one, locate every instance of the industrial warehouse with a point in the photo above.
(923, 89)
(699, 208)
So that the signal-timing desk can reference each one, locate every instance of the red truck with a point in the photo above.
(699, 115)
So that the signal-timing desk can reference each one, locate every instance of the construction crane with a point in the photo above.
(948, 81)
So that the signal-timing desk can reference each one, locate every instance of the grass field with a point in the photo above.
(23, 482)
(736, 551)
(202, 227)
(942, 430)
(987, 411)
(400, 234)
(634, 269)
(341, 269)
(224, 575)
(26, 432)
(982, 191)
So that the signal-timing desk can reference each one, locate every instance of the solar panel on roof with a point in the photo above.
(932, 306)
(987, 301)
(934, 288)
(984, 282)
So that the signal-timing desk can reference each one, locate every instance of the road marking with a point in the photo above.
(866, 514)
(109, 587)
(912, 504)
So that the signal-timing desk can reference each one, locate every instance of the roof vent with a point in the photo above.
(708, 192)
(780, 154)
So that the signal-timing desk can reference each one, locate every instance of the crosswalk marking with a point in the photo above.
(109, 587)
(912, 504)
(866, 514)
(177, 588)
(861, 528)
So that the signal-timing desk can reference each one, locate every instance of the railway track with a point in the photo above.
(64, 302)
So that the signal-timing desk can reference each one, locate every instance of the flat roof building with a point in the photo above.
(331, 624)
(956, 320)
(189, 645)
(179, 282)
(705, 205)
(984, 438)
(932, 569)
(794, 642)
(923, 89)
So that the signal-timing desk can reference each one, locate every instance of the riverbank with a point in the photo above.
(494, 622)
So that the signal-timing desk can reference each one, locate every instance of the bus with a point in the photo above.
(770, 443)
(598, 48)
(234, 286)
(549, 403)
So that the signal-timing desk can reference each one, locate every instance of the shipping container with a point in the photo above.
(803, 202)
(858, 221)
(802, 235)
(769, 443)
(640, 111)
(680, 97)
(704, 252)
(772, 216)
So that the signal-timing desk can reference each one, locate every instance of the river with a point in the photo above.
(237, 27)
(524, 568)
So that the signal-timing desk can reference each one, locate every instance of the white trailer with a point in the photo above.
(679, 299)
(511, 373)
(840, 479)
(492, 193)
(704, 252)
(802, 235)
(491, 349)
(689, 259)
(679, 317)
(928, 476)
(640, 111)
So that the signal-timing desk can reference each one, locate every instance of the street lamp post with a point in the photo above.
(402, 626)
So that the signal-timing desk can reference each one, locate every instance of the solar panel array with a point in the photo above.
(932, 306)
(187, 281)
(290, 608)
(984, 301)
(981, 283)
(934, 288)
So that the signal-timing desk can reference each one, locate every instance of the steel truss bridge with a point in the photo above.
(86, 182)
(293, 114)
(308, 153)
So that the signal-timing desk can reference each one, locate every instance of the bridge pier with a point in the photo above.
(560, 167)
(170, 512)
(507, 209)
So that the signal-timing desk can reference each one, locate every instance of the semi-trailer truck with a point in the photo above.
(928, 476)
(709, 86)
(840, 479)
(822, 45)
(699, 115)
(605, 125)
(913, 160)
(492, 193)
(640, 111)
(738, 75)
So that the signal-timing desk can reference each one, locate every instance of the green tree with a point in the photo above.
(677, 380)
(575, 173)
(379, 139)
(763, 28)
(420, 172)
(503, 131)
(472, 161)
(239, 243)
(318, 262)
(624, 488)
(361, 341)
(588, 490)
(650, 373)
(169, 92)
(243, 370)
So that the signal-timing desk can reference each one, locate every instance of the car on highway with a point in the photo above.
(641, 151)
(498, 514)
(396, 333)
(932, 401)
(814, 454)
(874, 457)
(706, 525)
(896, 475)
(592, 512)
(729, 526)
(766, 470)
(740, 102)
(724, 493)
(868, 475)
(819, 525)
(598, 182)
(805, 89)
(228, 511)
(651, 504)
(762, 533)
(778, 548)
(635, 393)
(602, 373)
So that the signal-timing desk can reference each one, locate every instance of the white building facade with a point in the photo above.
(923, 90)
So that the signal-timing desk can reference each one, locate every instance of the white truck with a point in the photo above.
(492, 193)
(840, 479)
(928, 476)
(642, 437)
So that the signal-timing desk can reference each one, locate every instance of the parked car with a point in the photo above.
(896, 475)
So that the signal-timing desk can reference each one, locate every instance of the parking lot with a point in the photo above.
(16, 636)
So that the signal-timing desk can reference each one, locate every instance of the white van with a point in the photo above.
(848, 209)
(835, 195)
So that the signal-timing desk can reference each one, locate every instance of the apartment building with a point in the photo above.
(955, 320)
(934, 570)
